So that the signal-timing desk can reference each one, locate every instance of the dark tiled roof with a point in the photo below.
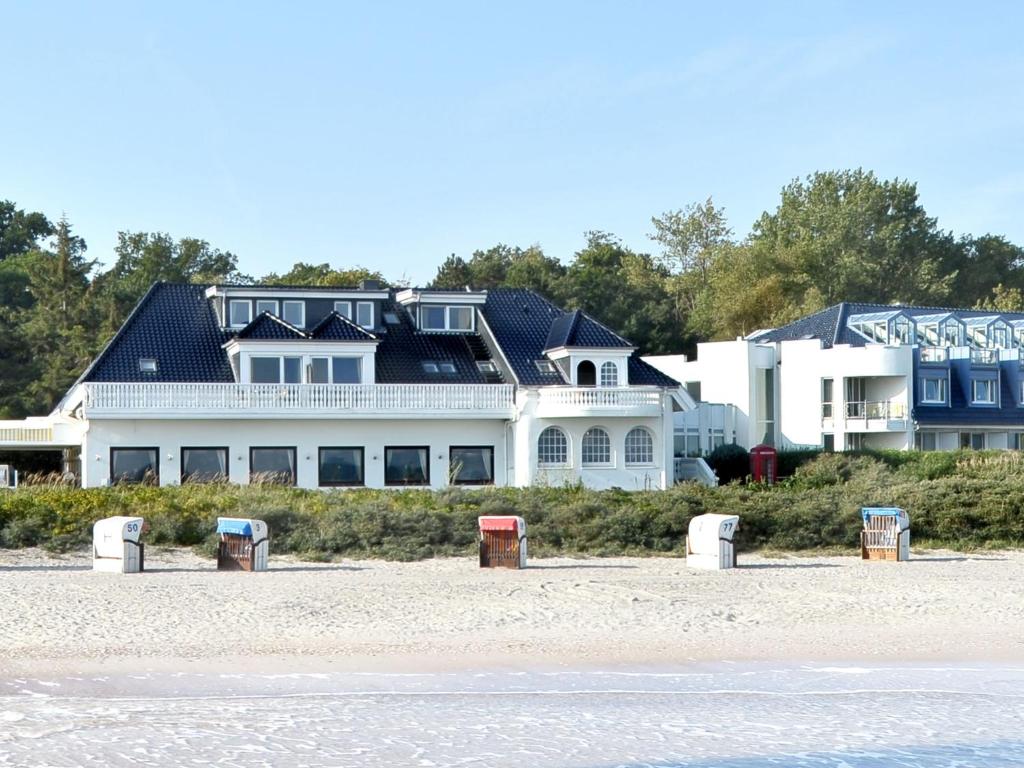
(267, 326)
(524, 324)
(174, 324)
(830, 324)
(334, 327)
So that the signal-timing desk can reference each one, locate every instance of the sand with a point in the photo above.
(56, 615)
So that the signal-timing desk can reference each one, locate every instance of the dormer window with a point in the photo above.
(147, 365)
(364, 314)
(344, 308)
(446, 318)
(609, 374)
(295, 313)
(239, 313)
(267, 305)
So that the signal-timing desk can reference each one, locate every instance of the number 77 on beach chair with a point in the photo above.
(502, 542)
(709, 542)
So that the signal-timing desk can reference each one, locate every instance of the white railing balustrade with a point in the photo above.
(22, 434)
(870, 410)
(599, 397)
(362, 398)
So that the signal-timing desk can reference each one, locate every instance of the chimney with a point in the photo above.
(369, 285)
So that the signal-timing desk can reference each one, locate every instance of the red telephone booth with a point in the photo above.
(764, 464)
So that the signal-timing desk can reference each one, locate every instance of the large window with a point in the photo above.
(686, 442)
(407, 465)
(275, 370)
(272, 466)
(552, 448)
(204, 465)
(471, 464)
(239, 313)
(933, 390)
(295, 313)
(925, 441)
(639, 447)
(609, 375)
(364, 314)
(974, 440)
(335, 370)
(597, 448)
(983, 391)
(444, 318)
(341, 466)
(134, 465)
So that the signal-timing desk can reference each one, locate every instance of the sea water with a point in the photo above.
(730, 715)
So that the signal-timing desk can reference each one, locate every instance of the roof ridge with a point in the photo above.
(265, 315)
(335, 314)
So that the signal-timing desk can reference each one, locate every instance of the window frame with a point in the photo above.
(359, 368)
(181, 462)
(451, 309)
(583, 449)
(321, 483)
(281, 368)
(295, 461)
(347, 314)
(944, 386)
(565, 462)
(625, 447)
(275, 302)
(373, 314)
(453, 448)
(399, 484)
(601, 374)
(143, 365)
(156, 464)
(284, 312)
(990, 383)
(231, 315)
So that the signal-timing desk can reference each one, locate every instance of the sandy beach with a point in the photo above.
(57, 615)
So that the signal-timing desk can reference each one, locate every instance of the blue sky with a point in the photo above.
(389, 135)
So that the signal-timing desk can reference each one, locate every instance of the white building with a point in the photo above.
(863, 376)
(328, 387)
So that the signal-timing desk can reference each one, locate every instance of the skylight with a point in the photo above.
(147, 364)
(545, 366)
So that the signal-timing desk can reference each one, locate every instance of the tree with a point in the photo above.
(21, 232)
(982, 264)
(503, 265)
(323, 274)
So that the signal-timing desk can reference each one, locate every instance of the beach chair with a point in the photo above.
(243, 546)
(709, 542)
(117, 545)
(502, 542)
(886, 534)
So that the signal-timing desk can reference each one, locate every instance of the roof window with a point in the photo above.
(444, 367)
(545, 366)
(147, 364)
(486, 366)
(391, 318)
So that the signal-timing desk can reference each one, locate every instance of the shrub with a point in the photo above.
(731, 462)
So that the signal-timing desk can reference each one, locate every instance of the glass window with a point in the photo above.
(406, 466)
(460, 318)
(974, 440)
(933, 390)
(341, 466)
(293, 370)
(552, 448)
(609, 375)
(134, 465)
(1017, 441)
(272, 466)
(925, 441)
(240, 312)
(983, 390)
(266, 305)
(828, 442)
(545, 366)
(318, 371)
(639, 447)
(597, 447)
(364, 313)
(432, 318)
(471, 465)
(204, 465)
(147, 364)
(295, 313)
(429, 366)
(345, 370)
(447, 368)
(826, 398)
(343, 308)
(265, 370)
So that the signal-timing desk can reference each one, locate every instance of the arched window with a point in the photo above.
(597, 447)
(609, 375)
(586, 374)
(639, 447)
(552, 448)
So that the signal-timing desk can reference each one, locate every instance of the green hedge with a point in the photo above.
(959, 500)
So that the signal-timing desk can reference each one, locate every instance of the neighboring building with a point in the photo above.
(332, 387)
(868, 376)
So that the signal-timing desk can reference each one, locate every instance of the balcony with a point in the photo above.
(875, 415)
(598, 401)
(378, 401)
(984, 357)
(934, 355)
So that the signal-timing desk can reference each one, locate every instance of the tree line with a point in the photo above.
(834, 236)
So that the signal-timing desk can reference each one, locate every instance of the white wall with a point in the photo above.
(306, 436)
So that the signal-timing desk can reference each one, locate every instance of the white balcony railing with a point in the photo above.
(934, 354)
(18, 433)
(984, 357)
(599, 397)
(876, 410)
(313, 399)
